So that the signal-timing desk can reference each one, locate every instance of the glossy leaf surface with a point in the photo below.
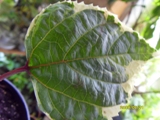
(78, 59)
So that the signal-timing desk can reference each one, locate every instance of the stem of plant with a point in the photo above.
(24, 68)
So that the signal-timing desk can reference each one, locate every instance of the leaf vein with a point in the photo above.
(114, 43)
(89, 30)
(65, 94)
(51, 30)
(77, 59)
(89, 76)
(54, 105)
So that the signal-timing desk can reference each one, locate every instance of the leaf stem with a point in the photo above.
(141, 93)
(15, 71)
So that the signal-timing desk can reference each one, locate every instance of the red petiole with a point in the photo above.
(15, 71)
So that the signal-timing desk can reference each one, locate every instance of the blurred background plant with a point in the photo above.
(147, 90)
(15, 17)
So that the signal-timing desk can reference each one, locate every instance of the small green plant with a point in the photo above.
(80, 58)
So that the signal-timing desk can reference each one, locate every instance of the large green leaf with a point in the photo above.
(78, 59)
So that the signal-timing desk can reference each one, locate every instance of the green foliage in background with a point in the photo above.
(110, 2)
(150, 110)
(158, 44)
(151, 20)
(11, 62)
(150, 100)
(22, 11)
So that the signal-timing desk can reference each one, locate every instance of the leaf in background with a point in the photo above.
(110, 2)
(151, 23)
(148, 31)
(6, 11)
(158, 44)
(128, 0)
(77, 57)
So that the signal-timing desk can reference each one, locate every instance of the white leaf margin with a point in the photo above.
(133, 70)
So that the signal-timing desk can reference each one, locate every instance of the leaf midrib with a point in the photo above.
(78, 59)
